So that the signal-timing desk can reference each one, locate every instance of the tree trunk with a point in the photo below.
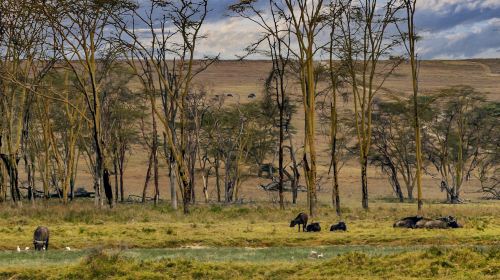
(122, 195)
(115, 167)
(335, 191)
(154, 153)
(173, 190)
(10, 163)
(410, 194)
(217, 177)
(364, 183)
(171, 173)
(156, 178)
(296, 174)
(192, 171)
(395, 182)
(280, 156)
(148, 177)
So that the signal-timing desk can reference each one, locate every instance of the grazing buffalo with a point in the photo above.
(300, 220)
(41, 238)
(313, 227)
(339, 227)
(408, 222)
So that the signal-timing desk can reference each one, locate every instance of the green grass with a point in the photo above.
(224, 254)
(431, 263)
(80, 226)
(246, 241)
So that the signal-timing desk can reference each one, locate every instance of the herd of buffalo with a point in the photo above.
(408, 222)
(41, 234)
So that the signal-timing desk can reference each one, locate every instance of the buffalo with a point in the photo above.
(421, 222)
(313, 227)
(408, 222)
(443, 222)
(339, 227)
(41, 238)
(300, 220)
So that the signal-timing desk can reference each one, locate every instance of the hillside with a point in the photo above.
(242, 78)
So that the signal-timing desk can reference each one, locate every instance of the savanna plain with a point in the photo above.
(252, 238)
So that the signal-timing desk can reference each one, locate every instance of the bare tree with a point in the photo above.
(80, 38)
(23, 64)
(409, 39)
(167, 64)
(365, 42)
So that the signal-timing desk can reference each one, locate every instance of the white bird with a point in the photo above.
(26, 248)
(68, 249)
(313, 254)
(18, 249)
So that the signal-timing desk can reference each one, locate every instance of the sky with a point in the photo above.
(450, 29)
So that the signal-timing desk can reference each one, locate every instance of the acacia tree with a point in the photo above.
(121, 114)
(167, 63)
(61, 124)
(393, 144)
(409, 39)
(79, 37)
(455, 137)
(275, 36)
(336, 79)
(307, 21)
(488, 169)
(365, 42)
(23, 65)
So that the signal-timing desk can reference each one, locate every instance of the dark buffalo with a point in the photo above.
(443, 222)
(41, 238)
(313, 227)
(408, 222)
(451, 221)
(339, 227)
(300, 220)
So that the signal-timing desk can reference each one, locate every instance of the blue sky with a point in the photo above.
(451, 29)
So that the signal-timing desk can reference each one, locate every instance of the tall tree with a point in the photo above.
(275, 37)
(167, 61)
(80, 38)
(23, 64)
(307, 21)
(409, 39)
(365, 42)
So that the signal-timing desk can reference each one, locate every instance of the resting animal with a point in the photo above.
(339, 227)
(313, 227)
(408, 222)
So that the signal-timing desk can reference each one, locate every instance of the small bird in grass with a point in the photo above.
(18, 249)
(68, 249)
(26, 248)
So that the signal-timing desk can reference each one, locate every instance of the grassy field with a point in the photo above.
(253, 240)
(135, 241)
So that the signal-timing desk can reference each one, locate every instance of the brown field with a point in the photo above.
(241, 78)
